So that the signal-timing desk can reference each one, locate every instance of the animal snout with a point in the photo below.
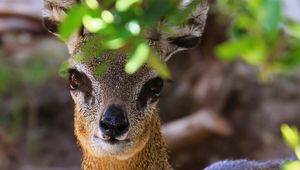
(114, 122)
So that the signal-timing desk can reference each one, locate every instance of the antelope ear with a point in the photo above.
(187, 35)
(53, 13)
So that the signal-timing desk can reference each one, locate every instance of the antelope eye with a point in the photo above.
(75, 79)
(155, 87)
(150, 92)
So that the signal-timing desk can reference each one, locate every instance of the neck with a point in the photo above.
(153, 156)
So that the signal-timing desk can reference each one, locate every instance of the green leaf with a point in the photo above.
(124, 5)
(256, 53)
(64, 68)
(232, 49)
(182, 15)
(93, 4)
(115, 43)
(107, 16)
(290, 60)
(294, 165)
(271, 17)
(93, 24)
(290, 135)
(73, 21)
(158, 66)
(294, 29)
(158, 10)
(138, 58)
(133, 27)
(297, 151)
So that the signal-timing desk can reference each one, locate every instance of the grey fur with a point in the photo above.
(245, 165)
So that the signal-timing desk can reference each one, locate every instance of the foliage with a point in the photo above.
(260, 34)
(122, 25)
(292, 138)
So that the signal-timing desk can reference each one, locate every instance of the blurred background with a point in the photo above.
(233, 90)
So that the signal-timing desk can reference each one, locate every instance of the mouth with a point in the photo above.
(112, 140)
(113, 147)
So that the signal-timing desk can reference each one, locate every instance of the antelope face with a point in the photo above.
(115, 112)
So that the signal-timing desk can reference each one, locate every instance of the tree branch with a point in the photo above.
(194, 128)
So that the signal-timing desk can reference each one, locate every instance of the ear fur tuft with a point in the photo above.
(186, 36)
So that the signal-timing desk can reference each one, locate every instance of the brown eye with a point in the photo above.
(150, 92)
(75, 79)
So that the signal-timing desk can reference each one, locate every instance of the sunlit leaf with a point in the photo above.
(93, 4)
(291, 135)
(93, 24)
(115, 43)
(134, 27)
(232, 49)
(294, 165)
(123, 5)
(138, 58)
(158, 66)
(297, 151)
(256, 53)
(107, 16)
(72, 22)
(294, 29)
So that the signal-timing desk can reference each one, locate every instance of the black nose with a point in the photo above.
(114, 121)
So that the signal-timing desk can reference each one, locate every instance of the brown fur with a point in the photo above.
(153, 156)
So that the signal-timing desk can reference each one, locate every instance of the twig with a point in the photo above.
(192, 129)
